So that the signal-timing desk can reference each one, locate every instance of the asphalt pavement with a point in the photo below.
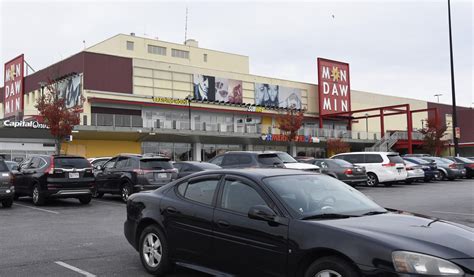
(65, 238)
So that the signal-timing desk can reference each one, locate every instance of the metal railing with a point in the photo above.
(116, 120)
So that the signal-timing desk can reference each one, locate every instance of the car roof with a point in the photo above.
(369, 152)
(253, 152)
(258, 173)
(192, 162)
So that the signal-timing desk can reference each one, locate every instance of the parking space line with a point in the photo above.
(112, 203)
(39, 209)
(78, 270)
(440, 212)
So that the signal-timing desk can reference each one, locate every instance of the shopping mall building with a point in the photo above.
(144, 95)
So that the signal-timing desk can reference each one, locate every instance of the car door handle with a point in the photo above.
(171, 210)
(223, 224)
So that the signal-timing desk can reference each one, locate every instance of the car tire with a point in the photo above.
(125, 191)
(7, 203)
(451, 178)
(441, 176)
(331, 266)
(372, 180)
(86, 199)
(38, 197)
(96, 193)
(408, 182)
(153, 251)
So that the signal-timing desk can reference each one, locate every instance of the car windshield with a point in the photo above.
(313, 195)
(286, 158)
(269, 159)
(156, 164)
(71, 162)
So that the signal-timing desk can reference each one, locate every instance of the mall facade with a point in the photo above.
(141, 95)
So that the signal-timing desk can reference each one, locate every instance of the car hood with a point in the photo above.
(303, 166)
(411, 232)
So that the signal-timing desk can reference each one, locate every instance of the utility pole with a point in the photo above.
(453, 91)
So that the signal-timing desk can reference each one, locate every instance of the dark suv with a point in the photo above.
(243, 159)
(54, 176)
(7, 190)
(130, 173)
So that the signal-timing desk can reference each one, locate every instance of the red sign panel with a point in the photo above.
(334, 87)
(13, 86)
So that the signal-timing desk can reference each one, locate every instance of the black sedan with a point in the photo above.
(186, 168)
(278, 222)
(342, 170)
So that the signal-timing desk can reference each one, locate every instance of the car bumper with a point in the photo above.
(431, 174)
(7, 193)
(415, 175)
(354, 180)
(129, 230)
(456, 173)
(68, 193)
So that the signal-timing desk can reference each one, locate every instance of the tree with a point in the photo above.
(290, 122)
(56, 115)
(433, 134)
(336, 146)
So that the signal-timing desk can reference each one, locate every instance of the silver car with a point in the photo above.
(415, 172)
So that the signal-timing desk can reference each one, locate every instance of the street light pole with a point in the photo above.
(189, 111)
(437, 96)
(453, 91)
(367, 125)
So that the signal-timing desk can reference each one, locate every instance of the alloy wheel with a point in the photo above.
(371, 180)
(35, 194)
(125, 193)
(152, 250)
(327, 273)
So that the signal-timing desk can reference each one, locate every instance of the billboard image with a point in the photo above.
(70, 90)
(267, 95)
(333, 87)
(13, 86)
(204, 87)
(290, 98)
(228, 90)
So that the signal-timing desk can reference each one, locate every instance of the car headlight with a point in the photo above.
(409, 262)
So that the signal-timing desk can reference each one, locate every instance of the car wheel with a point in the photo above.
(372, 180)
(7, 203)
(38, 197)
(408, 182)
(441, 176)
(96, 193)
(85, 199)
(125, 192)
(154, 251)
(451, 179)
(331, 267)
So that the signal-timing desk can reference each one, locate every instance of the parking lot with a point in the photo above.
(64, 238)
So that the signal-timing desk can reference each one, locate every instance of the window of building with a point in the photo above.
(157, 50)
(205, 58)
(180, 53)
(130, 45)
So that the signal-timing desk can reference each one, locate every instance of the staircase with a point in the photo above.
(385, 144)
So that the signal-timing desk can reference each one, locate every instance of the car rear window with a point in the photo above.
(418, 160)
(269, 159)
(465, 160)
(374, 158)
(341, 163)
(155, 164)
(395, 159)
(3, 166)
(71, 162)
(208, 166)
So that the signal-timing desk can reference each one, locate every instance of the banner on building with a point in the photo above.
(290, 98)
(228, 90)
(204, 87)
(13, 86)
(70, 89)
(277, 96)
(333, 87)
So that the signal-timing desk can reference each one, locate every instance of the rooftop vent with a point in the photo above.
(132, 34)
(191, 42)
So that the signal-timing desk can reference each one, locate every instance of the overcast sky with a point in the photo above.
(393, 47)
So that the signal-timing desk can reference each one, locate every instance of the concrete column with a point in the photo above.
(292, 149)
(249, 147)
(197, 147)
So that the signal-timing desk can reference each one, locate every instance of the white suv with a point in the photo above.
(381, 167)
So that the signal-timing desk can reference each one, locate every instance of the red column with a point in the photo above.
(409, 129)
(320, 121)
(382, 127)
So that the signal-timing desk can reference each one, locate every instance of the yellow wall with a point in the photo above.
(100, 148)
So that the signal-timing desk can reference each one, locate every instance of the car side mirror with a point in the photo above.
(262, 212)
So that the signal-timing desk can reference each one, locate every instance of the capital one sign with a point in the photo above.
(334, 87)
(13, 86)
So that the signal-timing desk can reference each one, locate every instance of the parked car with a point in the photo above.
(447, 168)
(129, 173)
(430, 168)
(468, 165)
(7, 190)
(12, 166)
(262, 222)
(54, 176)
(342, 170)
(242, 159)
(417, 155)
(415, 172)
(99, 161)
(381, 167)
(186, 168)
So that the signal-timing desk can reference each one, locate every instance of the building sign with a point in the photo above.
(70, 90)
(299, 138)
(165, 100)
(255, 109)
(13, 86)
(24, 124)
(333, 87)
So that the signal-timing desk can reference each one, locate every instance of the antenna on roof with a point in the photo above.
(186, 25)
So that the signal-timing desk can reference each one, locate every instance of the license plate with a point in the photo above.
(399, 170)
(160, 175)
(73, 175)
